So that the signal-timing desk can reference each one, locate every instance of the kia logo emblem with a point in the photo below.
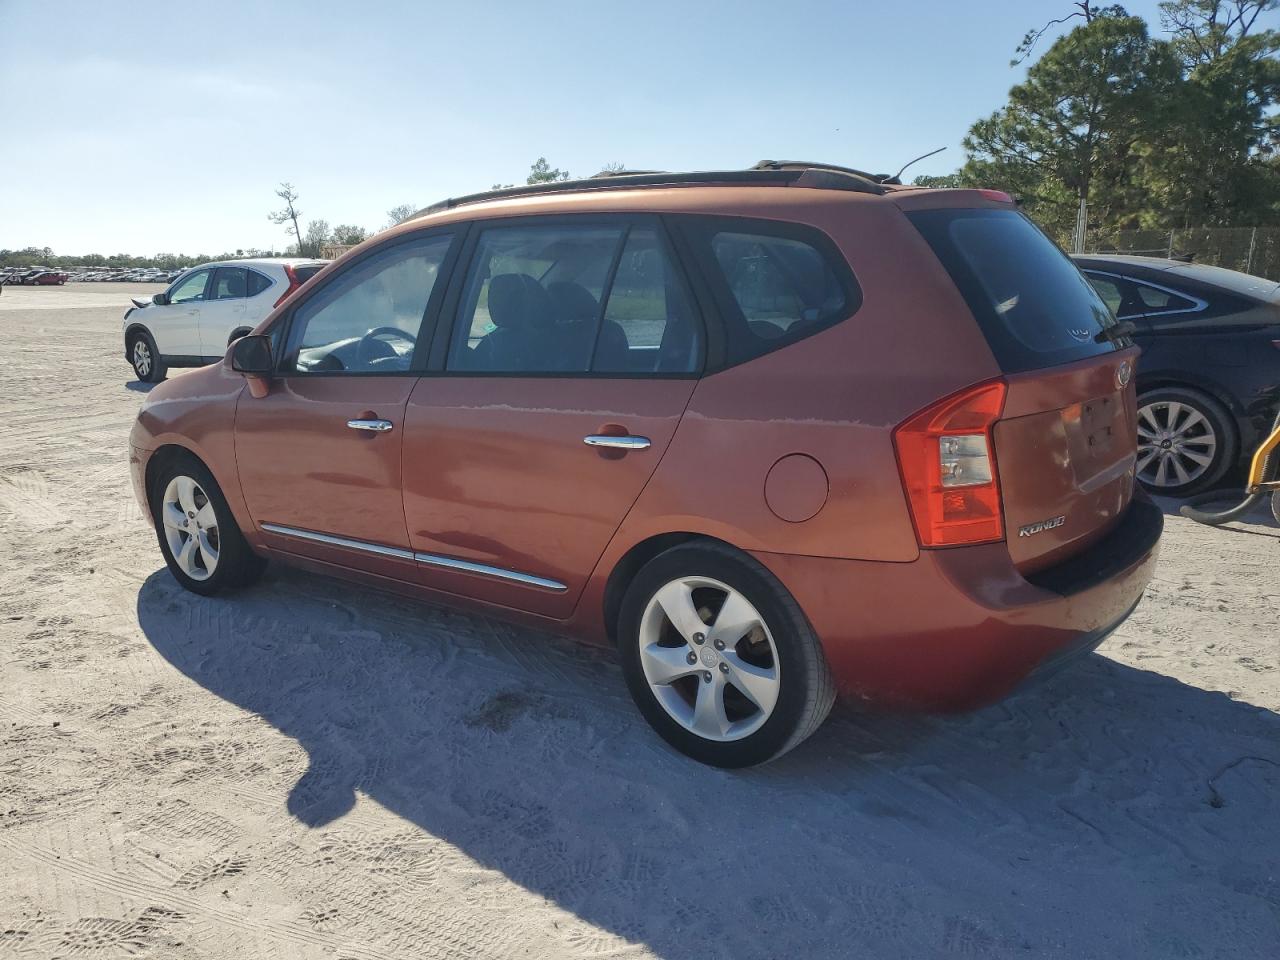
(1124, 373)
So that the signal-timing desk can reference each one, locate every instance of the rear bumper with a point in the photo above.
(960, 628)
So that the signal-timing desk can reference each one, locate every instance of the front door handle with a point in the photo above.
(616, 443)
(377, 426)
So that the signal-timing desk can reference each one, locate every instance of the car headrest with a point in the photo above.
(519, 301)
(572, 302)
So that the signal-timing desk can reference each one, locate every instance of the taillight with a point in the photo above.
(948, 464)
(294, 284)
(997, 195)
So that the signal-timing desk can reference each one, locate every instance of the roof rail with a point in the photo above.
(822, 176)
(606, 174)
(807, 165)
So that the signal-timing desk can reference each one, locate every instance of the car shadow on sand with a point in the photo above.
(139, 386)
(1106, 811)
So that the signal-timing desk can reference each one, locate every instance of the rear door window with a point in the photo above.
(649, 322)
(591, 297)
(230, 283)
(1034, 306)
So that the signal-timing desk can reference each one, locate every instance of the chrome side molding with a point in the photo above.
(331, 540)
(435, 560)
(427, 559)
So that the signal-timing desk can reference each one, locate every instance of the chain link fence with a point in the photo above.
(1253, 250)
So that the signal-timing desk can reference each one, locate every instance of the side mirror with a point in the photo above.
(252, 355)
(160, 299)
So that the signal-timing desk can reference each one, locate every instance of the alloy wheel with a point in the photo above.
(142, 358)
(709, 658)
(190, 527)
(1176, 444)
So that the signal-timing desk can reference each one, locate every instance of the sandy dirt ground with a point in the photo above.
(313, 769)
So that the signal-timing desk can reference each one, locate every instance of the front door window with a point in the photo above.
(191, 288)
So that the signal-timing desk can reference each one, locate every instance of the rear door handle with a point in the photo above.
(377, 426)
(616, 443)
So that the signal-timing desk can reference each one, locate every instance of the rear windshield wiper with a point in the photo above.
(1119, 330)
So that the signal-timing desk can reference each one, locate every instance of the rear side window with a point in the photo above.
(1034, 307)
(257, 283)
(776, 283)
(1156, 300)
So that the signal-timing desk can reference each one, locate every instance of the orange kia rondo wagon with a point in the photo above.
(777, 433)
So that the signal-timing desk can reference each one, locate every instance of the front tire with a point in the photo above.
(199, 539)
(148, 365)
(1186, 441)
(719, 658)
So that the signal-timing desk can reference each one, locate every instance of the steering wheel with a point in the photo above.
(371, 348)
(393, 332)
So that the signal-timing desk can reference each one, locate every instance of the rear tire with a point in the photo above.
(199, 538)
(1178, 428)
(719, 657)
(148, 365)
(1275, 505)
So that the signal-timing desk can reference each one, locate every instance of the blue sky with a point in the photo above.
(164, 126)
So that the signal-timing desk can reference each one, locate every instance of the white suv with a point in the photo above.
(204, 309)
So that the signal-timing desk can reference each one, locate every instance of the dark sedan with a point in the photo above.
(1209, 375)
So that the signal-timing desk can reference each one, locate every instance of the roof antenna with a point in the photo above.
(896, 178)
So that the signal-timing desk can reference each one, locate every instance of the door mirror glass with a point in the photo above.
(252, 354)
(160, 299)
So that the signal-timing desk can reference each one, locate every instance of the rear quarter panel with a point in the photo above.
(835, 396)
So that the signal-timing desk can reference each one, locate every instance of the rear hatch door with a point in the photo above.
(1065, 445)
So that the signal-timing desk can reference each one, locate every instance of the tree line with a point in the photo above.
(318, 234)
(1152, 132)
(308, 241)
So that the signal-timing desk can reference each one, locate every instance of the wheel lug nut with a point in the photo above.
(719, 644)
(698, 638)
(706, 677)
(724, 667)
(692, 657)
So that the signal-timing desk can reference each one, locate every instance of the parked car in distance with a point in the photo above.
(191, 323)
(1209, 374)
(35, 277)
(777, 433)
